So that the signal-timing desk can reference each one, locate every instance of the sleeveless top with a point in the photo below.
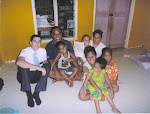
(62, 62)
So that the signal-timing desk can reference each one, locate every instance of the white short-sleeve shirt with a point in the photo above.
(99, 48)
(27, 53)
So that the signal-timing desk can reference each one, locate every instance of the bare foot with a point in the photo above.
(71, 84)
(67, 82)
(119, 82)
(99, 112)
(53, 81)
(115, 110)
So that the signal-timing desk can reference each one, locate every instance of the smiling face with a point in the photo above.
(62, 48)
(35, 43)
(86, 41)
(97, 38)
(57, 35)
(107, 56)
(91, 58)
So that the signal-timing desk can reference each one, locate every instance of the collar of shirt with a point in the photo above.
(34, 51)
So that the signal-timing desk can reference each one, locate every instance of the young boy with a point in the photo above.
(64, 58)
(90, 55)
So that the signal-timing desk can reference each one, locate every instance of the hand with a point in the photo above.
(83, 91)
(69, 59)
(51, 73)
(43, 71)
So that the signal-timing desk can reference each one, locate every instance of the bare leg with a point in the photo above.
(74, 72)
(97, 106)
(115, 88)
(52, 75)
(114, 109)
(66, 77)
(79, 73)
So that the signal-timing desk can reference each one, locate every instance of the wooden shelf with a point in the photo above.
(44, 28)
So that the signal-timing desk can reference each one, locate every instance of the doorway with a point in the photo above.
(111, 16)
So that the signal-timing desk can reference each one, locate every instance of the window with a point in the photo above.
(49, 13)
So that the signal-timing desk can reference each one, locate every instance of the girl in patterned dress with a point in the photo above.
(112, 68)
(98, 75)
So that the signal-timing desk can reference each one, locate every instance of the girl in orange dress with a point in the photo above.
(112, 68)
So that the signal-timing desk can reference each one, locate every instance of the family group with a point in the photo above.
(60, 61)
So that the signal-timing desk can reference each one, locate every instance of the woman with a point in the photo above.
(96, 42)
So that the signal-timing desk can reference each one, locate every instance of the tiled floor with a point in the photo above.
(133, 96)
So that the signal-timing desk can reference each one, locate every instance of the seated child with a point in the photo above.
(90, 55)
(98, 75)
(86, 40)
(64, 58)
(79, 52)
(112, 68)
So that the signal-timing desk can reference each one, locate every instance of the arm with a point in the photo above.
(95, 85)
(109, 85)
(55, 69)
(70, 49)
(89, 78)
(86, 80)
(79, 73)
(85, 83)
(73, 58)
(23, 64)
(81, 60)
(55, 60)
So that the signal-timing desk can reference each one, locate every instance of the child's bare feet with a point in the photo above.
(115, 110)
(53, 81)
(71, 84)
(119, 82)
(67, 82)
(99, 112)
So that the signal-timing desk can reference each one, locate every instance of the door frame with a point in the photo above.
(129, 21)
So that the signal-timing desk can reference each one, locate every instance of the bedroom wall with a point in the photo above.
(17, 26)
(146, 38)
(0, 35)
(139, 24)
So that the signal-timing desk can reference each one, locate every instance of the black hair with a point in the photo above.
(55, 27)
(99, 32)
(89, 49)
(102, 62)
(105, 50)
(33, 36)
(59, 43)
(85, 36)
